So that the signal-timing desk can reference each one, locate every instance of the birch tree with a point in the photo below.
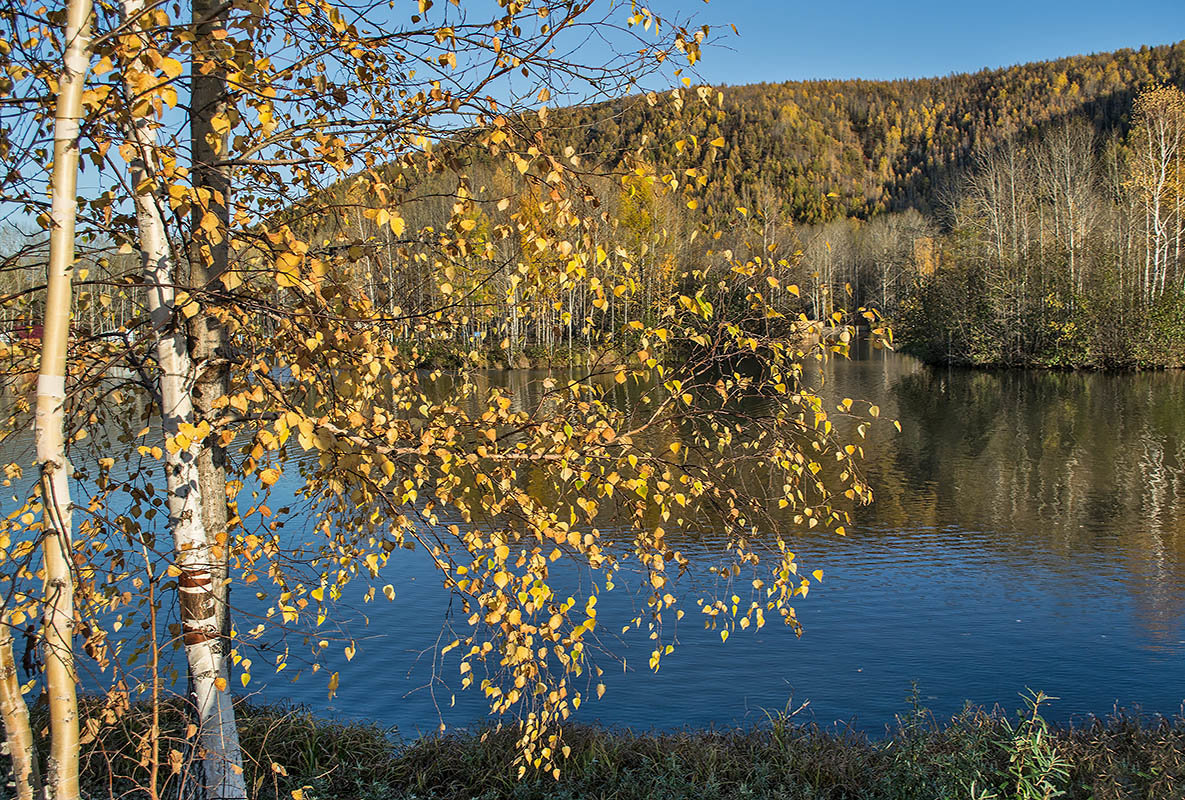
(199, 568)
(61, 780)
(26, 769)
(1065, 167)
(294, 370)
(1158, 142)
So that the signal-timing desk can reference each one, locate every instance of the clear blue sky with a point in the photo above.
(797, 39)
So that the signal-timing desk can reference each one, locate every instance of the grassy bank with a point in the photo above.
(976, 756)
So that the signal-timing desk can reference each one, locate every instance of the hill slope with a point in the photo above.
(878, 145)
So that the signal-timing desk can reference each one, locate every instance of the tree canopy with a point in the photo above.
(284, 208)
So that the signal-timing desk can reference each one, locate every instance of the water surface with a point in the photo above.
(1027, 533)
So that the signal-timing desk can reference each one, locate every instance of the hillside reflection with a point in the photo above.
(1061, 470)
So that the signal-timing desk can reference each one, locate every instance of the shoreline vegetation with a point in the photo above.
(446, 354)
(932, 358)
(978, 754)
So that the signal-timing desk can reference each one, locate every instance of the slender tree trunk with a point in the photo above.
(1178, 189)
(196, 558)
(50, 419)
(21, 747)
(209, 261)
(202, 569)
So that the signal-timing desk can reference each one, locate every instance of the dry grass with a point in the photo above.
(977, 755)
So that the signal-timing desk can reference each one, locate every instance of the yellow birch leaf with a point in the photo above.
(171, 67)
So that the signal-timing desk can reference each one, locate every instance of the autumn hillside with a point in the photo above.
(877, 145)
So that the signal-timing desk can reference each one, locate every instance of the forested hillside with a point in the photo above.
(1003, 217)
(876, 145)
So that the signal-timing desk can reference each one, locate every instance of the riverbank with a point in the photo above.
(448, 354)
(1097, 334)
(1140, 354)
(1004, 366)
(977, 755)
(933, 356)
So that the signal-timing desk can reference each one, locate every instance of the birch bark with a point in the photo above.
(195, 558)
(15, 712)
(49, 424)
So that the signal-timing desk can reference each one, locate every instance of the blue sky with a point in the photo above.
(797, 39)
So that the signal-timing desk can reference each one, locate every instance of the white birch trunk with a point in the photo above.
(200, 620)
(50, 420)
(15, 713)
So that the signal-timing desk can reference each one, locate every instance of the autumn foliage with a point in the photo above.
(263, 184)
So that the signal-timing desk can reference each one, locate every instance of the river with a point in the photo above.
(1028, 532)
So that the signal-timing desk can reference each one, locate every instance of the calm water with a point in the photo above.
(1028, 531)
